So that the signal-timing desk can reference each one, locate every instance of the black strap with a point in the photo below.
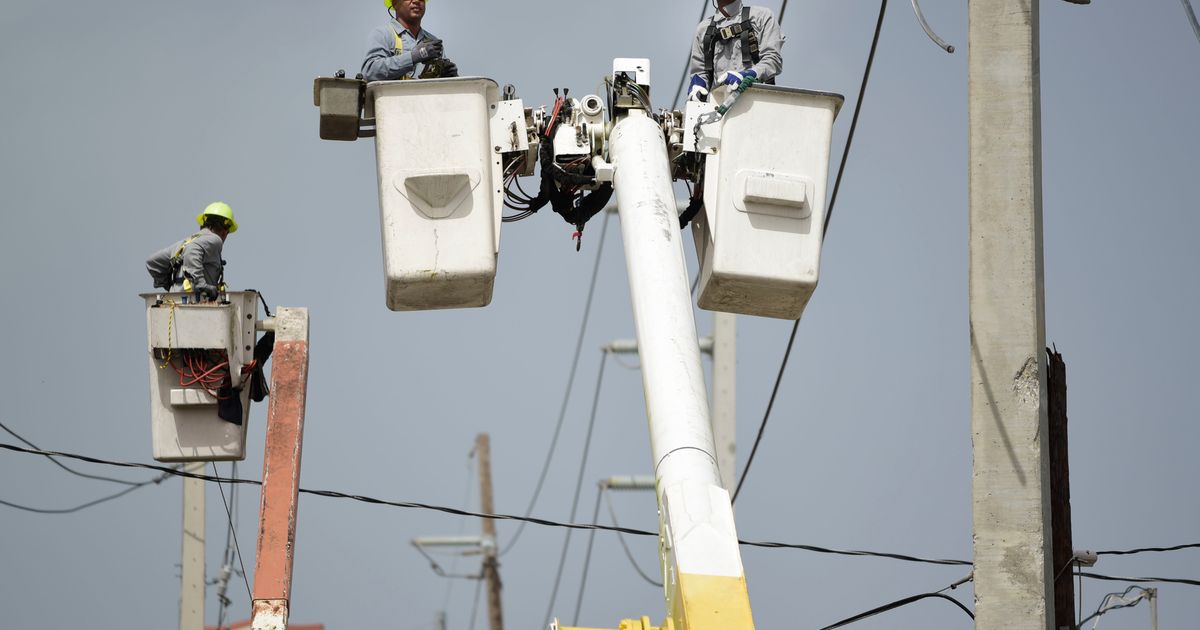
(709, 48)
(743, 30)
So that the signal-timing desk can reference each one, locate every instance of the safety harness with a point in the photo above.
(742, 31)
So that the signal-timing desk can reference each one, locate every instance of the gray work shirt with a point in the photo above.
(200, 261)
(727, 55)
(384, 62)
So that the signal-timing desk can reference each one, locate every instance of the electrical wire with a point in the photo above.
(587, 447)
(1102, 610)
(1191, 14)
(167, 472)
(236, 547)
(862, 90)
(1144, 580)
(562, 412)
(898, 604)
(84, 506)
(587, 556)
(612, 513)
(475, 606)
(63, 466)
(687, 65)
(1130, 552)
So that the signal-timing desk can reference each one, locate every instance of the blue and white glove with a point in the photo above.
(736, 78)
(698, 90)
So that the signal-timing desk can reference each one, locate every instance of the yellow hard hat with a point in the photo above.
(391, 4)
(218, 209)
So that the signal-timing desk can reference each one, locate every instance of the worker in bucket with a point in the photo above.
(739, 42)
(194, 265)
(396, 49)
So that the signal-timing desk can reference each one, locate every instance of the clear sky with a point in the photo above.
(122, 119)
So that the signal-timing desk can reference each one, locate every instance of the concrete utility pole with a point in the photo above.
(491, 566)
(1011, 482)
(191, 596)
(281, 471)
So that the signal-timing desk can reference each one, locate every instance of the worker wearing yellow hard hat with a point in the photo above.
(402, 49)
(193, 265)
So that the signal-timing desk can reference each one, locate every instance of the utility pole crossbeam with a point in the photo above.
(191, 598)
(281, 471)
(1011, 481)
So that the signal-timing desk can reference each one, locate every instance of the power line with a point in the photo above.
(1191, 14)
(587, 445)
(688, 64)
(1105, 608)
(562, 412)
(898, 604)
(540, 521)
(63, 466)
(1130, 552)
(237, 548)
(862, 90)
(612, 513)
(1144, 580)
(84, 506)
(587, 557)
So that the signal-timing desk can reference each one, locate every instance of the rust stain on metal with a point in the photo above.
(281, 472)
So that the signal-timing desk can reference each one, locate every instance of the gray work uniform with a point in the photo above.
(200, 262)
(727, 54)
(384, 62)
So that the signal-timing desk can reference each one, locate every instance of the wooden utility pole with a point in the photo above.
(491, 566)
(1009, 424)
(1060, 494)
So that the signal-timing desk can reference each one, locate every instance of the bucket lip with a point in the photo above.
(416, 84)
(840, 100)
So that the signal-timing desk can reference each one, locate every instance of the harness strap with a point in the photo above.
(398, 47)
(743, 30)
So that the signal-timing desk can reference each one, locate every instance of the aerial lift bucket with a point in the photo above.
(440, 190)
(759, 238)
(184, 423)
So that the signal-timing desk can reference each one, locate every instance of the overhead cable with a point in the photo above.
(1130, 552)
(587, 557)
(1144, 580)
(612, 514)
(229, 513)
(133, 484)
(898, 604)
(862, 90)
(587, 447)
(688, 64)
(77, 508)
(562, 412)
(1191, 14)
(533, 520)
(1121, 602)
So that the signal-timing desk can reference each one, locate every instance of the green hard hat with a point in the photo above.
(218, 209)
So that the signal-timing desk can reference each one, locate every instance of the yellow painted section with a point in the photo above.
(713, 602)
(631, 624)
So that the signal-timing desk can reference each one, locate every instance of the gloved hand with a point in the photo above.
(426, 50)
(449, 69)
(698, 89)
(206, 294)
(736, 78)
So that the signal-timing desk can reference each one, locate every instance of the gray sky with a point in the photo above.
(122, 119)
